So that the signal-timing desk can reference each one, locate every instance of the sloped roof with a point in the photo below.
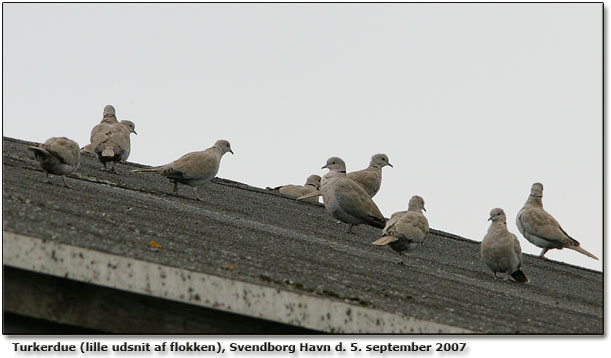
(246, 235)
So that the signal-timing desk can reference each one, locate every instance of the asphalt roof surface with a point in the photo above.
(257, 236)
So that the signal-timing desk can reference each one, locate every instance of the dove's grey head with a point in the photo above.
(335, 164)
(379, 160)
(130, 125)
(537, 190)
(223, 146)
(314, 180)
(497, 214)
(109, 111)
(416, 203)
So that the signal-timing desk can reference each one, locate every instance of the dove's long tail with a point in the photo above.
(310, 195)
(384, 240)
(579, 249)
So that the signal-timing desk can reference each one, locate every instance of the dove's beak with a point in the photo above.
(231, 151)
(324, 166)
(490, 218)
(392, 167)
(423, 208)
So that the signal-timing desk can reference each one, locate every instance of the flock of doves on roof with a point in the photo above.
(346, 196)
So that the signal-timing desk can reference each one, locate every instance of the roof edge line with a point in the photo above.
(191, 287)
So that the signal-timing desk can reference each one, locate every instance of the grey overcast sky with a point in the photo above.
(471, 102)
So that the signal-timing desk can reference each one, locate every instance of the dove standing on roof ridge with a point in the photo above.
(541, 229)
(59, 156)
(311, 185)
(193, 169)
(347, 201)
(111, 142)
(405, 230)
(108, 117)
(501, 249)
(369, 178)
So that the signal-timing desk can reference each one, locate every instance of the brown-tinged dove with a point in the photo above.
(369, 178)
(59, 156)
(405, 230)
(541, 229)
(501, 249)
(312, 185)
(110, 141)
(193, 169)
(347, 201)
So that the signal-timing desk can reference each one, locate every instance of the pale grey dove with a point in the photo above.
(501, 249)
(109, 115)
(405, 230)
(193, 169)
(369, 178)
(347, 201)
(312, 185)
(541, 229)
(59, 156)
(110, 141)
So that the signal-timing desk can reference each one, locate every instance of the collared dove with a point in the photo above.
(369, 178)
(501, 249)
(541, 229)
(347, 201)
(312, 185)
(193, 169)
(109, 115)
(405, 230)
(59, 156)
(110, 141)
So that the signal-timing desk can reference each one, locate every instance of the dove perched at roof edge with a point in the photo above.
(347, 201)
(405, 230)
(369, 178)
(111, 142)
(501, 249)
(59, 156)
(193, 169)
(541, 229)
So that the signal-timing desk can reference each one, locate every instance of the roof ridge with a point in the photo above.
(244, 186)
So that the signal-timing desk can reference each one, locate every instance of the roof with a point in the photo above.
(258, 253)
